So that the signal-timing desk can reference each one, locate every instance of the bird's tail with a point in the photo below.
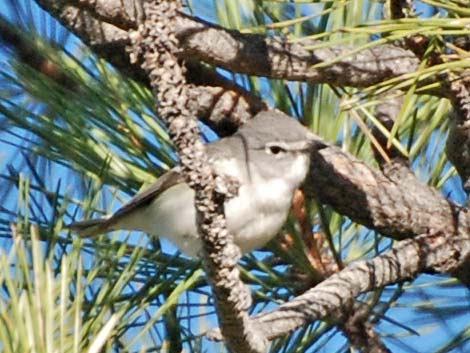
(90, 228)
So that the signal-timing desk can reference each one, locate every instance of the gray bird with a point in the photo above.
(269, 159)
(458, 147)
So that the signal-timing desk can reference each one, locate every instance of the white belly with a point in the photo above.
(257, 214)
(253, 217)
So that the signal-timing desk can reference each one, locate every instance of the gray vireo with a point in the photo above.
(269, 158)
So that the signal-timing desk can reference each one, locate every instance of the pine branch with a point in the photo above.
(394, 203)
(257, 55)
(156, 45)
(427, 253)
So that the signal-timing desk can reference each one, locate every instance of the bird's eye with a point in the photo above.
(275, 149)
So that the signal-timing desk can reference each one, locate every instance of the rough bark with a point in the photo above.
(104, 25)
(154, 44)
(380, 202)
(426, 253)
(259, 55)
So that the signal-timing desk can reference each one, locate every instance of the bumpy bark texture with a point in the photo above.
(105, 24)
(155, 45)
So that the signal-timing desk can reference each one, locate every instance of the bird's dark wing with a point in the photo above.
(93, 227)
(164, 182)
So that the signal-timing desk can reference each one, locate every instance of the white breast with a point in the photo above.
(257, 214)
(253, 217)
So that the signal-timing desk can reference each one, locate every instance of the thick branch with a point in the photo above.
(439, 253)
(251, 54)
(399, 205)
(259, 55)
(104, 26)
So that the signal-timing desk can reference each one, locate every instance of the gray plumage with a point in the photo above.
(268, 156)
